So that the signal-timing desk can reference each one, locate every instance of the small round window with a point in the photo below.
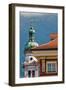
(31, 58)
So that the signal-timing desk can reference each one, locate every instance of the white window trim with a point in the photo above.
(51, 62)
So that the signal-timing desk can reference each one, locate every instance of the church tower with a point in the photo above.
(31, 64)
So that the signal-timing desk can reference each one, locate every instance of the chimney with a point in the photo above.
(53, 36)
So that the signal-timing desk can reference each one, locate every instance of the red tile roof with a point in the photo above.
(51, 44)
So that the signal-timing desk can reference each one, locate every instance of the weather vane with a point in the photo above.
(32, 22)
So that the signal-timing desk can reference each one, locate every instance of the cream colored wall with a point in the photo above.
(44, 53)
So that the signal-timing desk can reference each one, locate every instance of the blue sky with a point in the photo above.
(43, 23)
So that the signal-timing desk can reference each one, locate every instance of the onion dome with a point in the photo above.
(31, 42)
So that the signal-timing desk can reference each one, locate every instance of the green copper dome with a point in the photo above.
(31, 45)
(31, 42)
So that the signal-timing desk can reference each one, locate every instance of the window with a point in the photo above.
(29, 73)
(33, 73)
(51, 67)
(31, 58)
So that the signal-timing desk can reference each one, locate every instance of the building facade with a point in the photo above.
(31, 66)
(41, 60)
